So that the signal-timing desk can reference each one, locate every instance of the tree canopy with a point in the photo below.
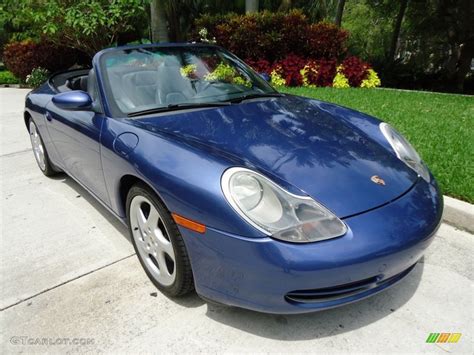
(406, 40)
(87, 25)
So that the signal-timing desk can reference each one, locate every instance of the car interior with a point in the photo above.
(70, 80)
(132, 87)
(140, 87)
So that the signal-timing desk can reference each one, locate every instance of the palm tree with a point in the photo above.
(251, 6)
(396, 30)
(285, 5)
(159, 27)
(340, 11)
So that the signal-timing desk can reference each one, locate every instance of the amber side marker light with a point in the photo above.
(187, 223)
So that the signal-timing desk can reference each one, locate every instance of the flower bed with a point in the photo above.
(287, 47)
(297, 71)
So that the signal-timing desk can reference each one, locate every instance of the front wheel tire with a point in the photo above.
(158, 242)
(39, 150)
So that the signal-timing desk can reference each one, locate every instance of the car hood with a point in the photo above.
(297, 141)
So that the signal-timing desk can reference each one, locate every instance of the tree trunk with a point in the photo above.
(251, 6)
(339, 12)
(462, 37)
(174, 29)
(464, 64)
(396, 30)
(285, 5)
(159, 28)
(459, 65)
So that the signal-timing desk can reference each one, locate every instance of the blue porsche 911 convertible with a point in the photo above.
(255, 199)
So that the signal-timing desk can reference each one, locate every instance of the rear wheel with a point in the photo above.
(158, 242)
(39, 150)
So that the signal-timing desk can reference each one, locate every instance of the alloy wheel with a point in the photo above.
(152, 240)
(37, 145)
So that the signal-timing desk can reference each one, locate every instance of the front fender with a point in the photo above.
(186, 178)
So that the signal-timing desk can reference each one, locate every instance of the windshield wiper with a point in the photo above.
(176, 107)
(255, 96)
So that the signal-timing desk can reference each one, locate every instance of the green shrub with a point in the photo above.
(272, 36)
(298, 71)
(37, 77)
(7, 77)
(22, 57)
(84, 25)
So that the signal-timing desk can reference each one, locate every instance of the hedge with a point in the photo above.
(272, 36)
(22, 57)
(293, 51)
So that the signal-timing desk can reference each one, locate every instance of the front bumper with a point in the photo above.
(263, 274)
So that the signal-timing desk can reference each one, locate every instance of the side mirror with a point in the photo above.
(73, 100)
(265, 76)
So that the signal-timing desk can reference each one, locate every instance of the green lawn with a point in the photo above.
(440, 127)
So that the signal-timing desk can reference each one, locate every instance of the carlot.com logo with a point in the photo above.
(443, 337)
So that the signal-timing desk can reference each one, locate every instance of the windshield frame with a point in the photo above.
(106, 92)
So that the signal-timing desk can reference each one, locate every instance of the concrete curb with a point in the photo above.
(15, 86)
(459, 214)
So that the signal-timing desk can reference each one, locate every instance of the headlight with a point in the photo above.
(404, 150)
(276, 212)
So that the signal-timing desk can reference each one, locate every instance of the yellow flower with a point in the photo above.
(223, 72)
(304, 74)
(340, 81)
(276, 79)
(187, 70)
(371, 81)
(241, 81)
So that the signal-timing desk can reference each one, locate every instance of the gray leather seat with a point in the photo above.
(172, 88)
(134, 88)
(90, 86)
(83, 84)
(77, 83)
(122, 98)
(141, 87)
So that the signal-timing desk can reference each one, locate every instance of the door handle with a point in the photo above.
(48, 116)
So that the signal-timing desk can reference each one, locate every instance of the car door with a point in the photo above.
(76, 136)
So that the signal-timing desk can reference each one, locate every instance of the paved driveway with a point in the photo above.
(69, 278)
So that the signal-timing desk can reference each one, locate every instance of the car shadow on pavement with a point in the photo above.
(81, 192)
(323, 323)
(286, 327)
(189, 301)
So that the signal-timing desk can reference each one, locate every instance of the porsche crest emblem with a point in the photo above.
(377, 180)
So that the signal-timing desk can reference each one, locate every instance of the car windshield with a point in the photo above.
(153, 78)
